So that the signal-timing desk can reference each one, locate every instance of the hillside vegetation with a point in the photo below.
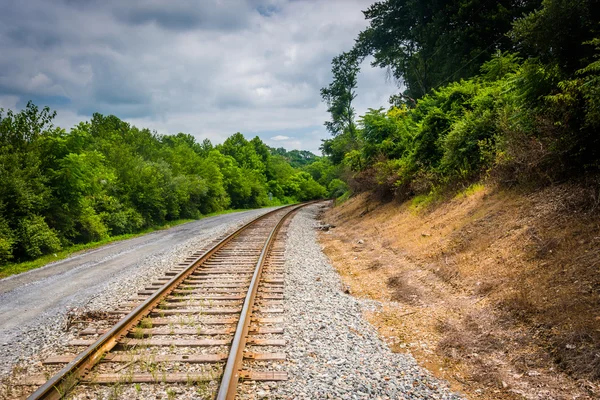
(508, 90)
(105, 178)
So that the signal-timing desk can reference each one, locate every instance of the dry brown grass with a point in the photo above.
(403, 290)
(504, 286)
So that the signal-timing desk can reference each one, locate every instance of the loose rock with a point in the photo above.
(332, 351)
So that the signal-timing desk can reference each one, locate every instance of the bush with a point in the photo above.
(123, 221)
(303, 187)
(7, 241)
(36, 238)
(91, 226)
(336, 188)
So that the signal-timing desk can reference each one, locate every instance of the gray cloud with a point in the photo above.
(207, 68)
(184, 15)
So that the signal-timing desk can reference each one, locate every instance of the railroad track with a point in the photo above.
(212, 320)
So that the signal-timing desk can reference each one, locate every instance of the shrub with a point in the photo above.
(7, 241)
(36, 238)
(336, 188)
(123, 221)
(91, 226)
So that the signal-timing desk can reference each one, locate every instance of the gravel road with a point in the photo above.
(33, 305)
(332, 352)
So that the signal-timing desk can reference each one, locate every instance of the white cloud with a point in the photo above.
(8, 102)
(280, 137)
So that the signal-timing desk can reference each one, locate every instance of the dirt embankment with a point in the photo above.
(498, 292)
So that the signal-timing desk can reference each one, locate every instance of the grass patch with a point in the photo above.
(340, 200)
(471, 190)
(424, 201)
(17, 268)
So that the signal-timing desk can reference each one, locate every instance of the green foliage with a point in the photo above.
(337, 188)
(323, 171)
(303, 187)
(340, 93)
(296, 158)
(36, 238)
(337, 147)
(106, 177)
(343, 198)
(383, 133)
(426, 45)
(554, 33)
(243, 152)
(471, 108)
(7, 240)
(590, 86)
(121, 220)
(516, 121)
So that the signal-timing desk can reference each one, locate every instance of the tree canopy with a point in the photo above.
(106, 177)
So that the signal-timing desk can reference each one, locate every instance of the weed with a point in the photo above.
(469, 191)
(116, 391)
(423, 201)
(138, 333)
(153, 369)
(66, 385)
(128, 376)
(146, 323)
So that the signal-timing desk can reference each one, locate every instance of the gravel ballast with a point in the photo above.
(332, 352)
(83, 289)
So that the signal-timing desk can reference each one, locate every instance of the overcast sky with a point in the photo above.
(205, 67)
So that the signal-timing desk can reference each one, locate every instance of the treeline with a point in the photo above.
(504, 89)
(105, 177)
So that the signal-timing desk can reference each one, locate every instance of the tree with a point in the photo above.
(340, 93)
(243, 152)
(24, 190)
(303, 187)
(296, 158)
(556, 31)
(428, 44)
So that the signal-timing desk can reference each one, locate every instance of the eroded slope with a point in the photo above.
(497, 292)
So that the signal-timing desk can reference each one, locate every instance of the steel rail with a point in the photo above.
(59, 384)
(231, 374)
